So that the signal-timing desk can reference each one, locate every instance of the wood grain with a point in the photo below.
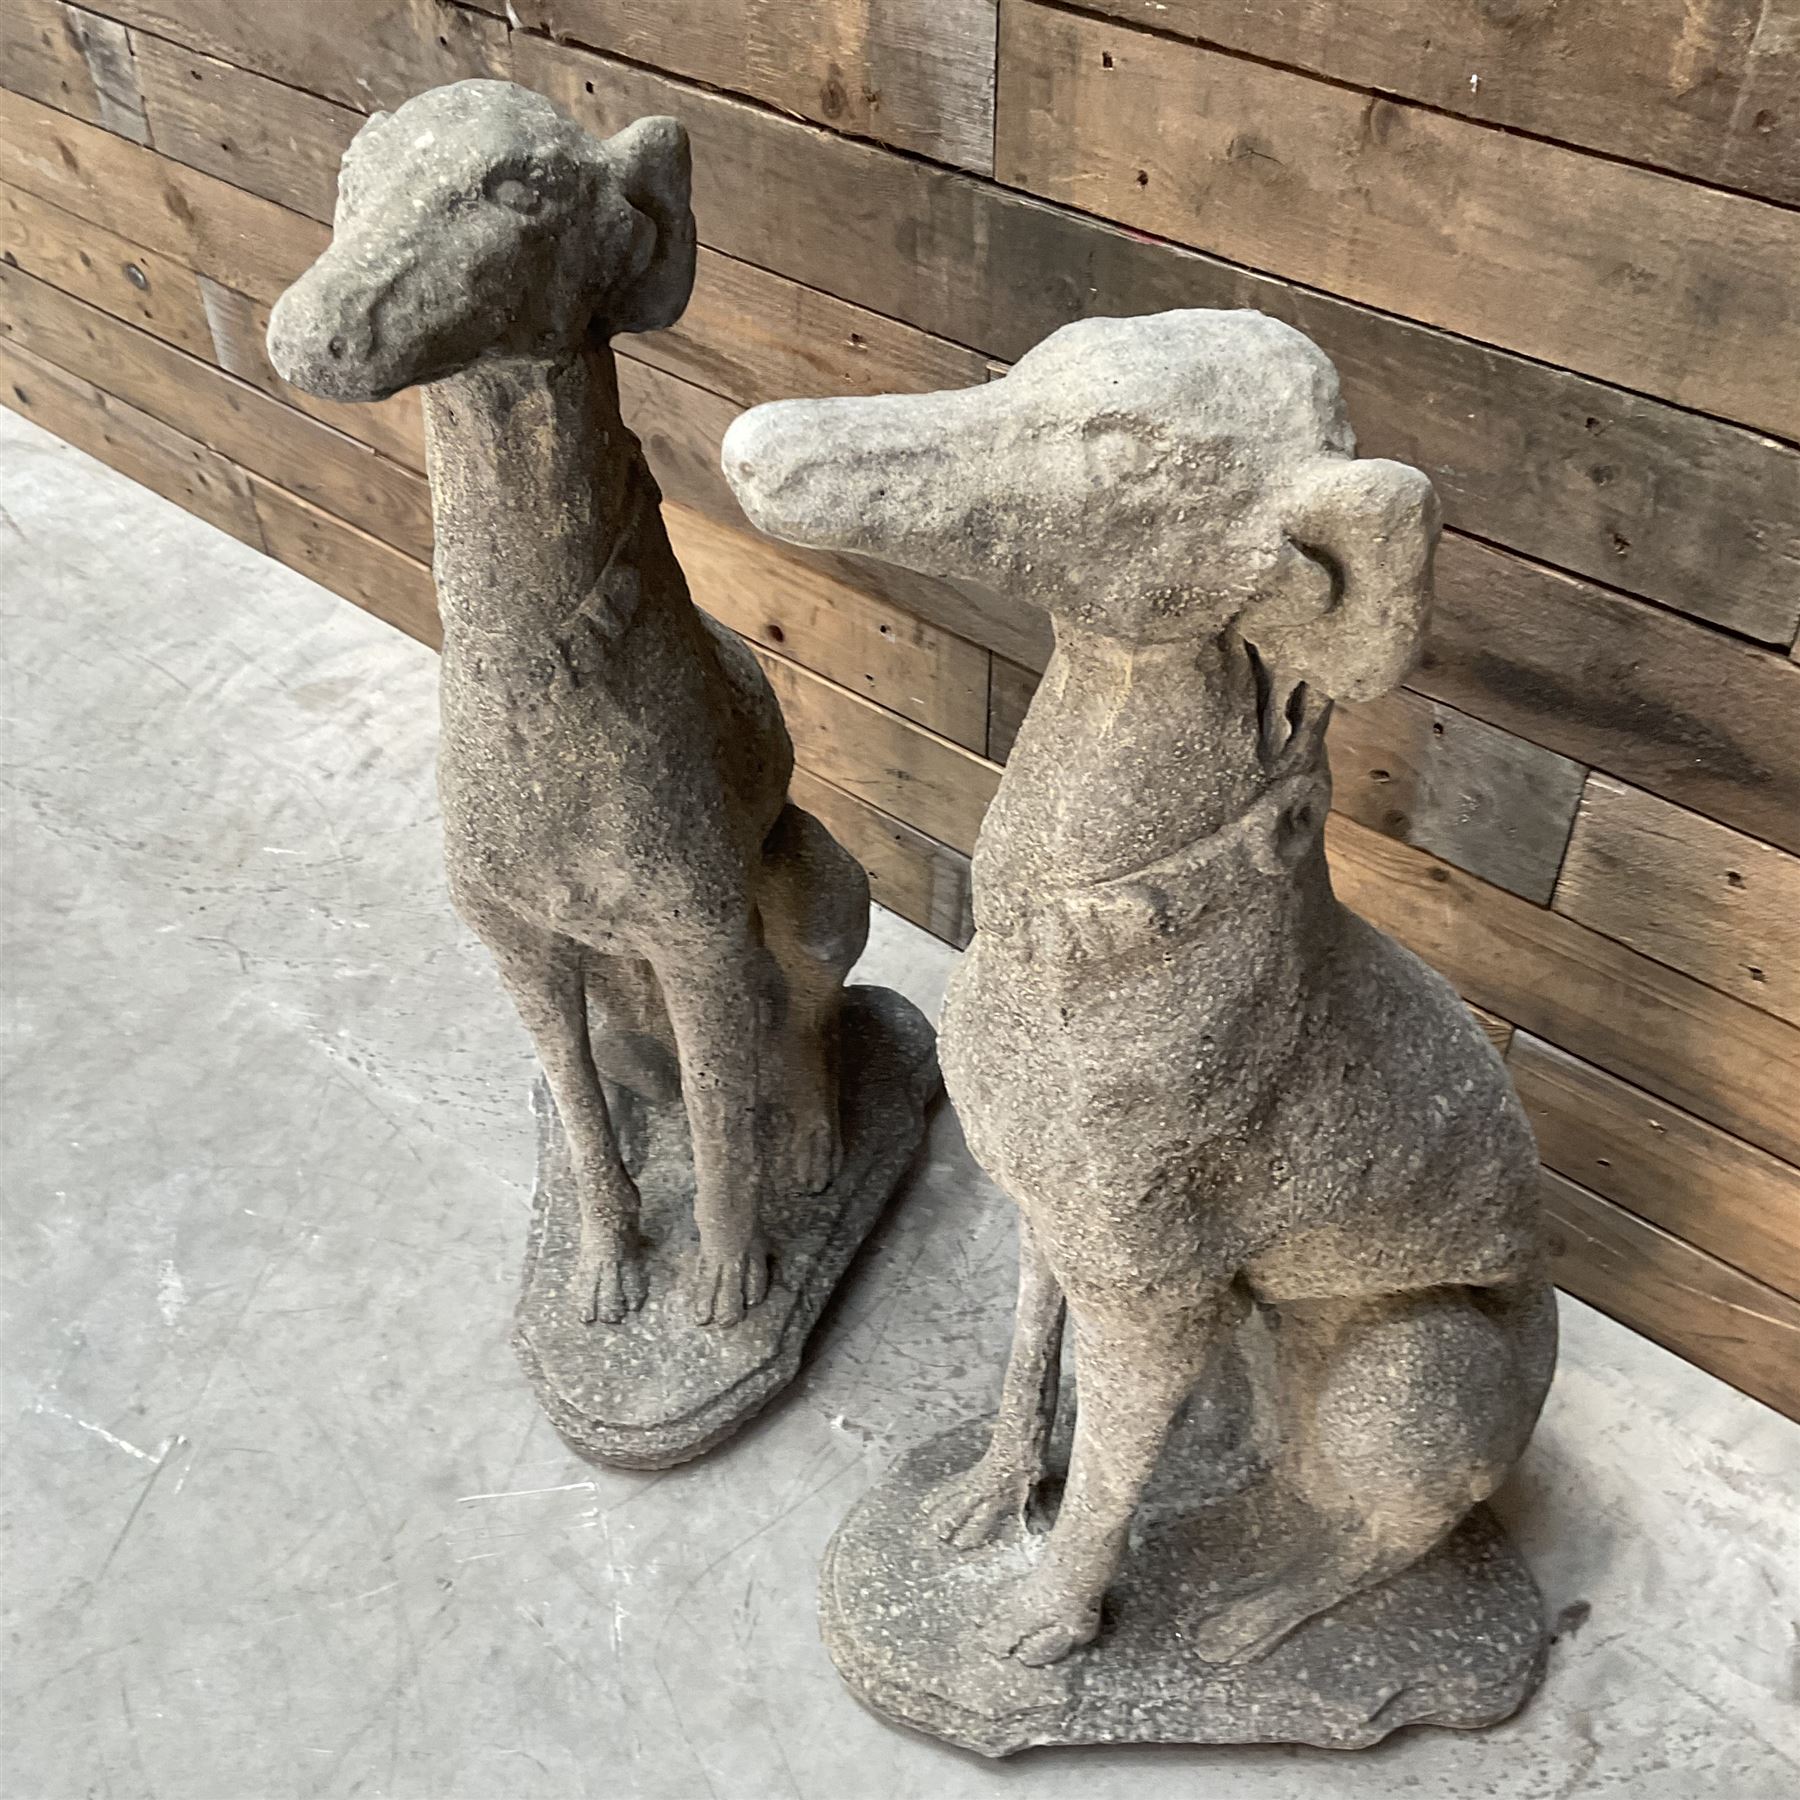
(774, 599)
(1688, 713)
(1678, 1172)
(241, 239)
(141, 286)
(932, 784)
(1706, 90)
(362, 569)
(909, 873)
(1738, 1329)
(918, 74)
(361, 53)
(121, 436)
(1691, 893)
(256, 133)
(74, 60)
(1636, 277)
(1690, 1045)
(1697, 514)
(322, 465)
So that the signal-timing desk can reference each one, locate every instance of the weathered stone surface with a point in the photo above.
(613, 766)
(1455, 1639)
(660, 1389)
(1213, 1092)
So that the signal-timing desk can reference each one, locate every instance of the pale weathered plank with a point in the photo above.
(909, 873)
(1636, 277)
(1705, 90)
(1650, 1025)
(141, 286)
(1668, 705)
(74, 60)
(362, 569)
(131, 441)
(1691, 893)
(323, 466)
(361, 53)
(1736, 1328)
(918, 74)
(212, 227)
(239, 330)
(255, 133)
(1697, 514)
(932, 784)
(1686, 1176)
(753, 336)
(773, 598)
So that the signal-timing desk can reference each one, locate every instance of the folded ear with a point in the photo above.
(655, 172)
(1370, 529)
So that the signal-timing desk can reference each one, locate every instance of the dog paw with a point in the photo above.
(1041, 1624)
(971, 1509)
(609, 1277)
(810, 1154)
(725, 1284)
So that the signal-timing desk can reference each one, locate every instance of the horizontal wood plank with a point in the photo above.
(1733, 1327)
(1691, 893)
(255, 133)
(909, 873)
(170, 463)
(918, 74)
(74, 60)
(143, 287)
(1699, 515)
(361, 53)
(1683, 1175)
(1688, 713)
(1610, 1005)
(1705, 90)
(362, 569)
(215, 229)
(325, 467)
(1658, 284)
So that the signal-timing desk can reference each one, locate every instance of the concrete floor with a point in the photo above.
(280, 1516)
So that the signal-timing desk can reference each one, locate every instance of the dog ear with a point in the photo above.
(1352, 628)
(654, 167)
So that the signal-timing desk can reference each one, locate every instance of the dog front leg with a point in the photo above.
(971, 1507)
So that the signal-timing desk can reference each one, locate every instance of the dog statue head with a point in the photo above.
(1148, 479)
(476, 221)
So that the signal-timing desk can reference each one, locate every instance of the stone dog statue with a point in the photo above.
(1212, 1091)
(614, 766)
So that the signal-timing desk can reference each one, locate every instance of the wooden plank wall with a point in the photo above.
(1554, 260)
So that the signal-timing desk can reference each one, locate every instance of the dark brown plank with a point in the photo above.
(362, 569)
(1708, 90)
(1632, 276)
(1688, 713)
(918, 74)
(1683, 1175)
(1699, 515)
(909, 873)
(255, 133)
(323, 466)
(1661, 1030)
(203, 222)
(1702, 1309)
(134, 443)
(1695, 895)
(73, 60)
(145, 288)
(361, 53)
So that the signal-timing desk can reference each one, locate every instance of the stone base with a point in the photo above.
(660, 1389)
(1456, 1640)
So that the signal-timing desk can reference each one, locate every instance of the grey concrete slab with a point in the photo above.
(280, 1517)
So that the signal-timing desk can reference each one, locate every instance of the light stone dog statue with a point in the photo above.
(1212, 1091)
(614, 767)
